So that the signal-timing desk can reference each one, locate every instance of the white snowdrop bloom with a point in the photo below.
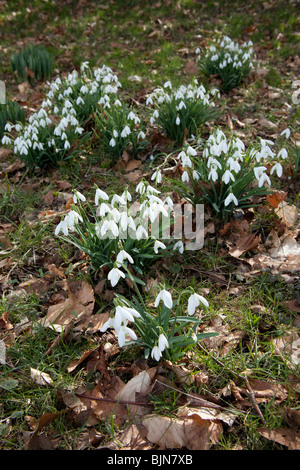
(185, 177)
(265, 142)
(64, 136)
(118, 199)
(179, 246)
(6, 140)
(79, 101)
(194, 302)
(278, 168)
(112, 142)
(169, 201)
(72, 218)
(114, 276)
(227, 176)
(261, 175)
(79, 130)
(115, 133)
(163, 342)
(78, 196)
(155, 114)
(103, 209)
(181, 155)
(158, 245)
(233, 164)
(213, 174)
(149, 100)
(123, 255)
(157, 176)
(165, 297)
(100, 195)
(282, 154)
(8, 127)
(231, 198)
(125, 132)
(67, 145)
(191, 151)
(126, 195)
(168, 84)
(187, 162)
(125, 314)
(150, 190)
(177, 121)
(196, 175)
(141, 188)
(62, 227)
(122, 332)
(141, 233)
(109, 226)
(84, 89)
(286, 133)
(156, 353)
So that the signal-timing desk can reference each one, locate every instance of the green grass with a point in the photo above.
(143, 40)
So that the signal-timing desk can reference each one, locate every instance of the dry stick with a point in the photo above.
(245, 379)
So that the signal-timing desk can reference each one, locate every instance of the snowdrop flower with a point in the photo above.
(168, 84)
(227, 176)
(77, 196)
(79, 100)
(191, 151)
(114, 275)
(194, 302)
(278, 168)
(156, 353)
(125, 132)
(159, 244)
(141, 188)
(62, 227)
(185, 177)
(124, 315)
(122, 332)
(286, 133)
(67, 145)
(141, 233)
(177, 120)
(110, 323)
(282, 154)
(8, 127)
(231, 198)
(180, 246)
(6, 140)
(109, 226)
(261, 176)
(162, 342)
(100, 195)
(166, 297)
(123, 255)
(157, 176)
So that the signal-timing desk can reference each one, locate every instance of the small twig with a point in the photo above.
(203, 403)
(245, 379)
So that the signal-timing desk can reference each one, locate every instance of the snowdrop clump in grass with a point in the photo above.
(182, 111)
(44, 141)
(228, 175)
(228, 60)
(83, 91)
(117, 234)
(164, 328)
(119, 128)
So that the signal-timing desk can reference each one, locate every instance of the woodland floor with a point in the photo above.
(247, 376)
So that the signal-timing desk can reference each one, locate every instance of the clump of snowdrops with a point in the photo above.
(81, 93)
(222, 173)
(44, 140)
(120, 236)
(119, 128)
(181, 112)
(228, 60)
(165, 328)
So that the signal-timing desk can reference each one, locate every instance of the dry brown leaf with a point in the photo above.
(77, 307)
(288, 214)
(134, 176)
(244, 244)
(275, 198)
(41, 378)
(177, 433)
(284, 436)
(139, 384)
